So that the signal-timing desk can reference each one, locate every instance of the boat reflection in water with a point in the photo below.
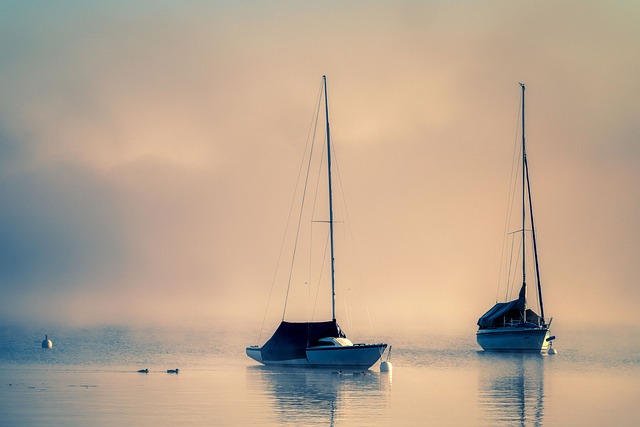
(511, 389)
(302, 396)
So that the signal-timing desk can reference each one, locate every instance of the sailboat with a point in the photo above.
(317, 343)
(514, 325)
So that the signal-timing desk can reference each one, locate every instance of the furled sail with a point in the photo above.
(504, 313)
(291, 339)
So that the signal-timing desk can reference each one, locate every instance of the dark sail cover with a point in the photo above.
(291, 339)
(510, 310)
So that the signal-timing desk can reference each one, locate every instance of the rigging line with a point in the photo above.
(324, 258)
(514, 278)
(317, 189)
(313, 211)
(345, 292)
(524, 216)
(507, 278)
(515, 167)
(535, 243)
(347, 308)
(511, 278)
(515, 257)
(510, 214)
(295, 191)
(308, 282)
(320, 175)
(352, 239)
(304, 195)
(531, 261)
(336, 170)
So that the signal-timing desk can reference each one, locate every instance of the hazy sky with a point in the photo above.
(149, 151)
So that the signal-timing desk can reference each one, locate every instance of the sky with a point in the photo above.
(149, 152)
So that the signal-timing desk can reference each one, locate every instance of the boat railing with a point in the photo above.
(515, 322)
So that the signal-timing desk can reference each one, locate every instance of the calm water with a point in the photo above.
(90, 378)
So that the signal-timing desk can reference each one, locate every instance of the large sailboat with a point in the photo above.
(317, 343)
(514, 325)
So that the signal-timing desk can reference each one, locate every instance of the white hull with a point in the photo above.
(513, 339)
(359, 356)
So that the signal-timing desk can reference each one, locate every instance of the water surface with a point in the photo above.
(90, 378)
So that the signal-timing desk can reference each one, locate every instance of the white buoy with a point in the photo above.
(46, 343)
(551, 349)
(386, 366)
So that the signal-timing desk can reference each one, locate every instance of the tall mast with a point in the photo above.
(535, 244)
(333, 272)
(524, 246)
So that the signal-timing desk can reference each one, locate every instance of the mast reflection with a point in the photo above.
(320, 396)
(511, 389)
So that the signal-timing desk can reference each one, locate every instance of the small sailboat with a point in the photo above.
(514, 325)
(317, 343)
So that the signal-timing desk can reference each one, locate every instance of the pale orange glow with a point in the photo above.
(149, 156)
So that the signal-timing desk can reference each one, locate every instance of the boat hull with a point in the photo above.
(513, 339)
(358, 356)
